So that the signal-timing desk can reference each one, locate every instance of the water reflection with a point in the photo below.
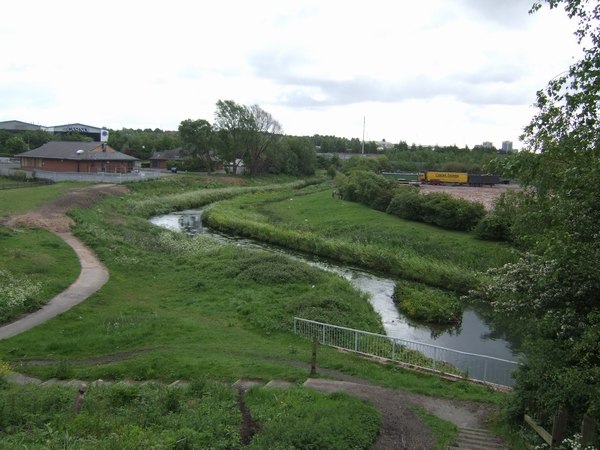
(188, 221)
(471, 335)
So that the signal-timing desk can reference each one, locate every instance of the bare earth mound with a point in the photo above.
(53, 216)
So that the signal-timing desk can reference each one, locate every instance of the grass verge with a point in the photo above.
(35, 265)
(16, 201)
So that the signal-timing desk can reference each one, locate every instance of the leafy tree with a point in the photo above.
(265, 132)
(14, 145)
(233, 124)
(556, 284)
(197, 138)
(245, 134)
(142, 143)
(36, 138)
(292, 155)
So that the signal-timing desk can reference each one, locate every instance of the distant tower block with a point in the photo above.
(507, 146)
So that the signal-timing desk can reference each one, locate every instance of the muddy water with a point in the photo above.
(473, 335)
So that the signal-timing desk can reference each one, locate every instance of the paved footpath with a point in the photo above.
(92, 277)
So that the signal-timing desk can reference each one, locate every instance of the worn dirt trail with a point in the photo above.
(53, 216)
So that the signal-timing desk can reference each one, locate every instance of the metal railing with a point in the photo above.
(442, 360)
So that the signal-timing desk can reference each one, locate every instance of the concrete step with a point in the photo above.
(51, 382)
(18, 378)
(179, 384)
(477, 439)
(279, 384)
(244, 384)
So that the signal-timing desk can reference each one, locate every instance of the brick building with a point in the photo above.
(86, 157)
(159, 159)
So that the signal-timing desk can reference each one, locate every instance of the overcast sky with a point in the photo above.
(434, 72)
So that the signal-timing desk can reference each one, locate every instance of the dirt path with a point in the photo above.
(53, 216)
(92, 277)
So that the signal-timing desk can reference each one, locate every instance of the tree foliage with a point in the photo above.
(142, 143)
(555, 286)
(245, 134)
(197, 139)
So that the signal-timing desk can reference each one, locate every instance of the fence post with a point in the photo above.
(588, 429)
(313, 362)
(393, 349)
(295, 321)
(435, 357)
(80, 396)
(485, 370)
(559, 427)
(356, 341)
(323, 340)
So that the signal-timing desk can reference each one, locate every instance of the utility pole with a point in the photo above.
(363, 141)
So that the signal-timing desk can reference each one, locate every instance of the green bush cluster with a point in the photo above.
(493, 227)
(366, 187)
(407, 202)
(498, 225)
(437, 208)
(428, 304)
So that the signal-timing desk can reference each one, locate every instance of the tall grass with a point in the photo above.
(311, 234)
(159, 204)
(35, 265)
(302, 419)
(202, 415)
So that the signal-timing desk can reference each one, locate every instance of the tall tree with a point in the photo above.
(233, 123)
(197, 139)
(246, 133)
(265, 132)
(555, 286)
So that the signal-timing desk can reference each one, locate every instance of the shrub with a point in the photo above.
(428, 304)
(493, 227)
(437, 208)
(406, 203)
(449, 212)
(367, 188)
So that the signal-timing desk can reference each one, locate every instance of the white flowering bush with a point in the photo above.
(572, 443)
(179, 244)
(14, 293)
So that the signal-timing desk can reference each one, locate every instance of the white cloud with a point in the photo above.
(426, 72)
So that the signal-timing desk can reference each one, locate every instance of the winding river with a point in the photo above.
(473, 335)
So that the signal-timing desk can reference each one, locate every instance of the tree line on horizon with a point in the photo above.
(250, 136)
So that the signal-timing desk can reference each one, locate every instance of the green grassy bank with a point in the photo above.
(194, 309)
(35, 265)
(312, 221)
